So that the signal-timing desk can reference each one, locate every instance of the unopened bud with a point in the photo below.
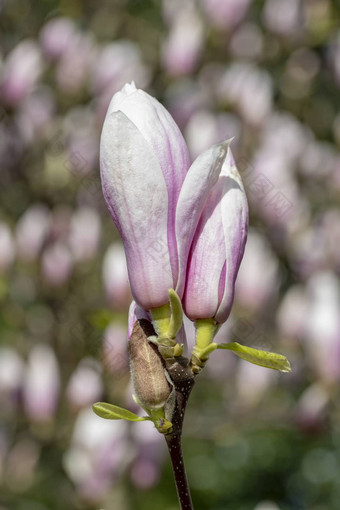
(148, 373)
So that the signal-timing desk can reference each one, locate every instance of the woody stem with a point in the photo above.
(174, 442)
(183, 379)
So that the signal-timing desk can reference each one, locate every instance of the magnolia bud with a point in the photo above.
(148, 373)
(156, 211)
(217, 248)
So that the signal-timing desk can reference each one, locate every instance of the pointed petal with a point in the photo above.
(206, 261)
(167, 143)
(234, 210)
(200, 179)
(159, 129)
(136, 195)
(136, 313)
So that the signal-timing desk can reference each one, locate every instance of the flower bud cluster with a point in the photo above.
(183, 226)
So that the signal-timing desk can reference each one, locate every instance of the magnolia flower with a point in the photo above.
(154, 202)
(217, 248)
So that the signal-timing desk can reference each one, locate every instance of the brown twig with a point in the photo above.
(183, 379)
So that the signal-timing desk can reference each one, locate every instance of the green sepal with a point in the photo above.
(206, 330)
(167, 319)
(176, 319)
(163, 425)
(111, 412)
(205, 353)
(178, 349)
(157, 416)
(257, 357)
(161, 319)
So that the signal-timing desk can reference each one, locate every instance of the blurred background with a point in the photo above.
(266, 72)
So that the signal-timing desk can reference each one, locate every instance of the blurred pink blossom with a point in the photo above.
(41, 384)
(184, 97)
(11, 371)
(35, 114)
(60, 222)
(115, 350)
(31, 231)
(334, 56)
(115, 277)
(330, 226)
(223, 365)
(183, 46)
(249, 90)
(21, 72)
(118, 63)
(312, 406)
(150, 451)
(323, 325)
(97, 456)
(252, 382)
(74, 66)
(283, 18)
(56, 264)
(85, 386)
(217, 127)
(246, 42)
(57, 36)
(292, 315)
(81, 132)
(258, 277)
(85, 234)
(225, 14)
(318, 160)
(316, 246)
(7, 247)
(273, 189)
